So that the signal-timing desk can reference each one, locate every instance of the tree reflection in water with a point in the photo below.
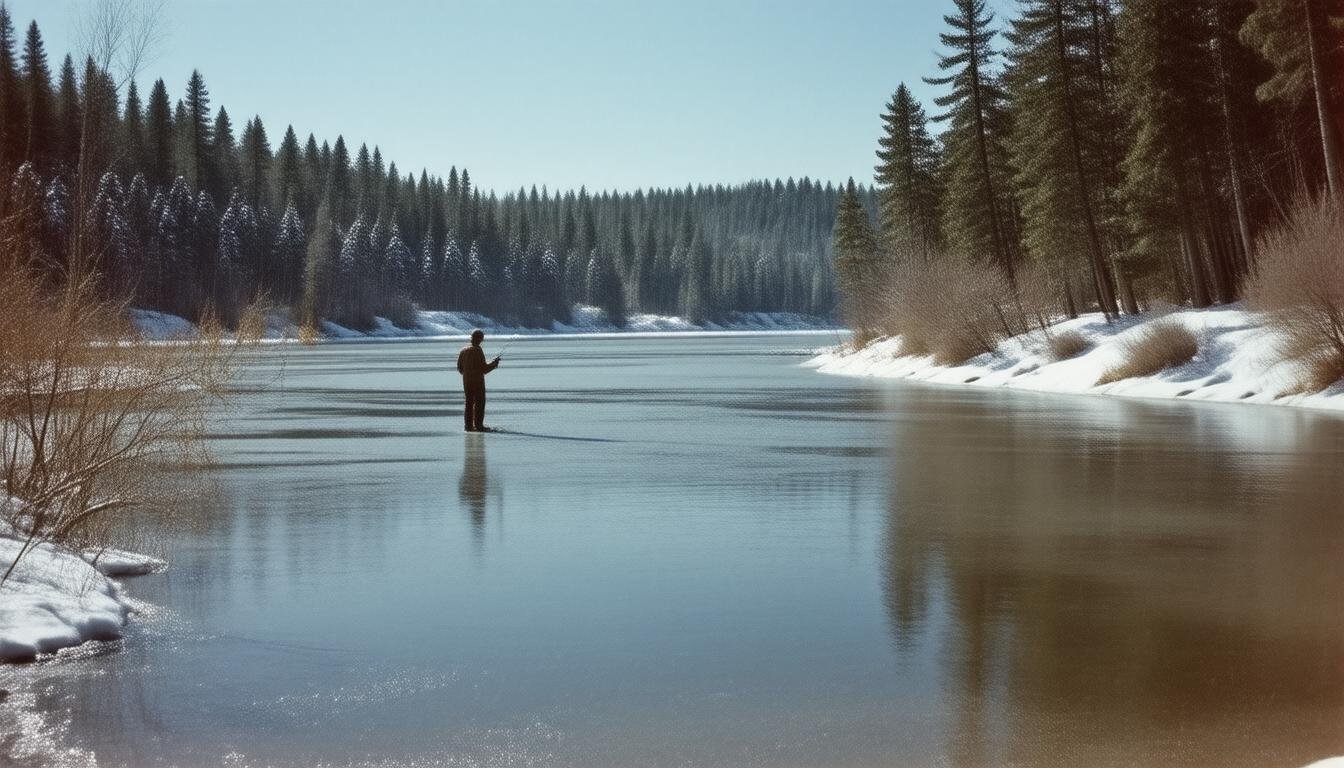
(1132, 584)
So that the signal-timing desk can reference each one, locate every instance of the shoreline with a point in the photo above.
(1235, 363)
(58, 598)
(586, 323)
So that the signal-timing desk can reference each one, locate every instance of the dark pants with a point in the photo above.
(474, 414)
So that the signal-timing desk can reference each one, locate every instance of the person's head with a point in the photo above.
(477, 336)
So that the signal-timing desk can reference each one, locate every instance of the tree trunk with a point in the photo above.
(982, 150)
(1329, 141)
(1232, 147)
(1127, 297)
(1199, 290)
(1101, 274)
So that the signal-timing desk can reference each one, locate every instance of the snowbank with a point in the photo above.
(1236, 363)
(584, 321)
(161, 325)
(56, 598)
(441, 324)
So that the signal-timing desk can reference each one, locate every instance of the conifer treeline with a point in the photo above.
(1108, 151)
(186, 212)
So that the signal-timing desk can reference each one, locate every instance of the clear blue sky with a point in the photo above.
(603, 93)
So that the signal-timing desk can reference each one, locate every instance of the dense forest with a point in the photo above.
(175, 208)
(1094, 155)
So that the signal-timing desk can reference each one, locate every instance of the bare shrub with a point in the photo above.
(950, 309)
(1153, 347)
(308, 333)
(1299, 283)
(88, 408)
(401, 312)
(1066, 345)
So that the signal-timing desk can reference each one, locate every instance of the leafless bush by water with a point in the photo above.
(952, 310)
(1153, 347)
(1299, 284)
(89, 408)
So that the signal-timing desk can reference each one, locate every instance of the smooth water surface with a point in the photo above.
(696, 552)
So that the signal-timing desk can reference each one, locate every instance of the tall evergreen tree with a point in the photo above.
(340, 189)
(133, 157)
(1305, 45)
(225, 173)
(290, 179)
(255, 168)
(1166, 89)
(907, 176)
(194, 135)
(1057, 178)
(159, 138)
(858, 264)
(978, 212)
(13, 122)
(70, 117)
(37, 83)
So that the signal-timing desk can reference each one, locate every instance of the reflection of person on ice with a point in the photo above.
(471, 364)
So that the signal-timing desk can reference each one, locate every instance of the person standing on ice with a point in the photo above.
(471, 364)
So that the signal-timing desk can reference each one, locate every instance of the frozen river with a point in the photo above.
(695, 552)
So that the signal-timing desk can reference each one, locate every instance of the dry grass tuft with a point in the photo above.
(1299, 284)
(1153, 347)
(1066, 345)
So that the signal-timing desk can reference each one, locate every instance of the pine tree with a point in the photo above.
(132, 156)
(1056, 177)
(858, 267)
(225, 173)
(907, 178)
(70, 117)
(290, 178)
(1301, 40)
(366, 192)
(400, 269)
(110, 234)
(194, 135)
(13, 119)
(255, 168)
(159, 138)
(26, 223)
(1165, 86)
(290, 242)
(37, 82)
(340, 190)
(977, 214)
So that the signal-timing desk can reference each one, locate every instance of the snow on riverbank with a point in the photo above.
(56, 598)
(440, 324)
(1235, 363)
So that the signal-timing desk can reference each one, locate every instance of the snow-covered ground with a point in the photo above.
(1236, 363)
(440, 324)
(56, 598)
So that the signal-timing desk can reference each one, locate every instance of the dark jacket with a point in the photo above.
(471, 364)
